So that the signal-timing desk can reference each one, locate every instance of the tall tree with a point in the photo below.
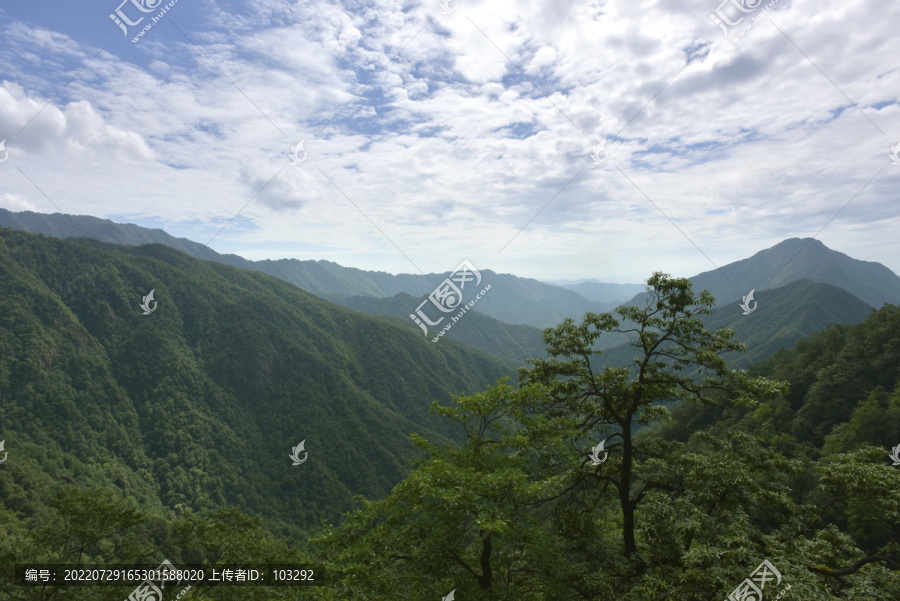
(677, 359)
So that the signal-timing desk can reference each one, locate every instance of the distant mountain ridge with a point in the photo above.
(60, 225)
(602, 292)
(513, 300)
(790, 261)
(509, 342)
(796, 259)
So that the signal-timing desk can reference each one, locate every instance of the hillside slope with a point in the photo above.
(790, 261)
(514, 344)
(200, 402)
(842, 372)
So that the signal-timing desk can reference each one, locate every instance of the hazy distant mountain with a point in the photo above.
(602, 292)
(782, 317)
(797, 259)
(790, 261)
(512, 299)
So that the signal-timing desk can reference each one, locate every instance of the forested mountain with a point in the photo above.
(199, 403)
(782, 316)
(419, 377)
(787, 262)
(844, 371)
(133, 436)
(842, 395)
(59, 225)
(513, 300)
(785, 315)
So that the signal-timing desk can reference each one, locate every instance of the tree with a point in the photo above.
(226, 537)
(91, 526)
(671, 341)
(461, 521)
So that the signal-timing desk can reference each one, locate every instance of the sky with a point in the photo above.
(551, 139)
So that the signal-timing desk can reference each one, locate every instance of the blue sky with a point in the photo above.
(431, 137)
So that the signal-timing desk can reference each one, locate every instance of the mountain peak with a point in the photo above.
(801, 258)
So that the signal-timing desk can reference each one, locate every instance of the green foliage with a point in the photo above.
(518, 512)
(137, 438)
(198, 404)
(843, 374)
(224, 537)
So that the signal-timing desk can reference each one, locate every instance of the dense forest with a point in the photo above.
(136, 438)
(196, 406)
(786, 463)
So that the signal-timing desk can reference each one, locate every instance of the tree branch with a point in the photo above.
(850, 569)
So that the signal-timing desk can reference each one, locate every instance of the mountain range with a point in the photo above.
(796, 259)
(507, 322)
(183, 386)
(601, 292)
(513, 300)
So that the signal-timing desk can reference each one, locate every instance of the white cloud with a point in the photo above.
(450, 151)
(58, 134)
(13, 202)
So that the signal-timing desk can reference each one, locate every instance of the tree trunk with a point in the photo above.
(487, 575)
(625, 490)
